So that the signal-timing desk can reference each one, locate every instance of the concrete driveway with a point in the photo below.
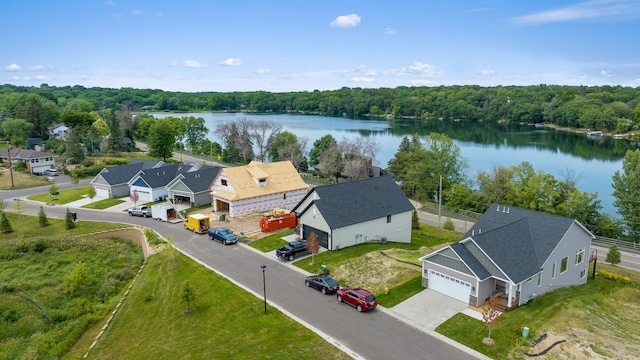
(428, 309)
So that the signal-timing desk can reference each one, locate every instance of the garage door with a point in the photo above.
(449, 286)
(102, 192)
(323, 237)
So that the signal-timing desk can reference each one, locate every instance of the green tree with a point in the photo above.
(68, 220)
(5, 224)
(187, 294)
(282, 146)
(42, 218)
(415, 220)
(115, 132)
(319, 146)
(17, 131)
(313, 246)
(18, 206)
(91, 193)
(195, 131)
(626, 190)
(100, 127)
(613, 255)
(75, 179)
(80, 276)
(53, 190)
(162, 136)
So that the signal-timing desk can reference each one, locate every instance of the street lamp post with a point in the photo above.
(10, 163)
(264, 287)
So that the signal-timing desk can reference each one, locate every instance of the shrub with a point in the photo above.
(39, 245)
(449, 225)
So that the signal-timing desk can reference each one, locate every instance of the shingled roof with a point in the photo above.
(121, 174)
(358, 201)
(161, 176)
(199, 180)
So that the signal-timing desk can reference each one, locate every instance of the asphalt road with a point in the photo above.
(372, 335)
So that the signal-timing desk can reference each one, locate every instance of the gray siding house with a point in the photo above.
(113, 182)
(512, 253)
(150, 184)
(356, 212)
(193, 187)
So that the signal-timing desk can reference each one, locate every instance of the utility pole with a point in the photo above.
(440, 202)
(10, 163)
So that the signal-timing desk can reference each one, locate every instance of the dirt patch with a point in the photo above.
(374, 272)
(247, 225)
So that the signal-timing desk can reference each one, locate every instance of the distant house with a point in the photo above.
(257, 187)
(356, 212)
(59, 132)
(31, 143)
(193, 187)
(150, 184)
(512, 253)
(36, 161)
(113, 182)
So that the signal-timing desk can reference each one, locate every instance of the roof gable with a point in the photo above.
(161, 176)
(199, 180)
(359, 201)
(122, 174)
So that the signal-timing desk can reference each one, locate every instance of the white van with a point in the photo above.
(51, 172)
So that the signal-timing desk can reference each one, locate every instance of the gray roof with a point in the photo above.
(18, 154)
(200, 180)
(518, 241)
(358, 201)
(121, 174)
(467, 257)
(162, 175)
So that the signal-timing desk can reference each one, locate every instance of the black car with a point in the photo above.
(325, 283)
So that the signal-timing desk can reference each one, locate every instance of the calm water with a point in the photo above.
(592, 161)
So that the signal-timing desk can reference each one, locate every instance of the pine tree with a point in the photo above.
(415, 220)
(5, 225)
(68, 219)
(42, 218)
(613, 256)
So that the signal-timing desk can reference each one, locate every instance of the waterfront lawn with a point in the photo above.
(226, 322)
(600, 316)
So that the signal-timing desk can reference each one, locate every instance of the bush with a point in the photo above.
(449, 225)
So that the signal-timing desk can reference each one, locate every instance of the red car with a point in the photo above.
(361, 299)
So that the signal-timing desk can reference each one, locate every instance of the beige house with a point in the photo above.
(257, 187)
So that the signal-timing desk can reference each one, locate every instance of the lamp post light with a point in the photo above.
(264, 287)
(10, 163)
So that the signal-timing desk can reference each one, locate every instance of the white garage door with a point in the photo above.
(449, 286)
(102, 192)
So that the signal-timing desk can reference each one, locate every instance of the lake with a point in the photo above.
(593, 160)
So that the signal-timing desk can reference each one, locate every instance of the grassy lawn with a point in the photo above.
(64, 197)
(103, 204)
(602, 316)
(20, 180)
(226, 322)
(77, 282)
(375, 266)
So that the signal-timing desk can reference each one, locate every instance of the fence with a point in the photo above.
(621, 244)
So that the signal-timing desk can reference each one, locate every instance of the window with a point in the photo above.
(563, 265)
(583, 273)
(579, 256)
(553, 271)
(223, 182)
(388, 218)
(529, 279)
(539, 279)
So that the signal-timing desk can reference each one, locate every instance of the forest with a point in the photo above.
(608, 108)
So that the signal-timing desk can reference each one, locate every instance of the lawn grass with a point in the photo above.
(64, 196)
(20, 180)
(401, 293)
(103, 204)
(271, 242)
(600, 312)
(225, 323)
(26, 227)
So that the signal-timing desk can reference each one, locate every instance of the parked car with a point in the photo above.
(290, 250)
(359, 298)
(325, 283)
(142, 210)
(223, 235)
(51, 172)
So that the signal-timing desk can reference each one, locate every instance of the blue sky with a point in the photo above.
(300, 45)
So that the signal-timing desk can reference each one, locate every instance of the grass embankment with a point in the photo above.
(63, 197)
(375, 266)
(225, 323)
(599, 318)
(77, 282)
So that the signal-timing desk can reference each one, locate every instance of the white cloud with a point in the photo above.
(173, 63)
(15, 78)
(584, 10)
(40, 68)
(389, 31)
(421, 68)
(346, 21)
(194, 64)
(487, 72)
(232, 62)
(136, 12)
(111, 3)
(263, 71)
(360, 79)
(13, 67)
(605, 73)
(36, 78)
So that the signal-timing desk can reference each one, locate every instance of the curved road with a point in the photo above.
(374, 335)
